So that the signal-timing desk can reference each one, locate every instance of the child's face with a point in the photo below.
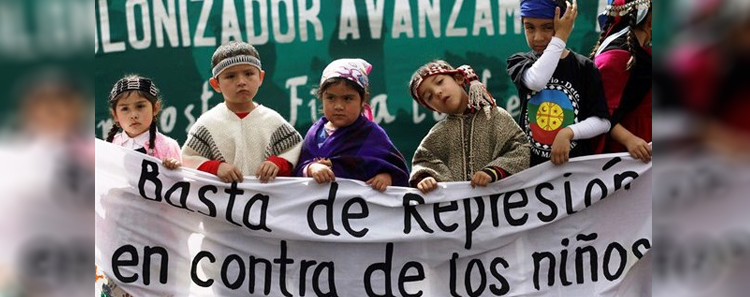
(134, 113)
(238, 84)
(341, 104)
(444, 93)
(539, 33)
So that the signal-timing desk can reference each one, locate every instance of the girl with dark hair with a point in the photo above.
(344, 143)
(623, 56)
(134, 103)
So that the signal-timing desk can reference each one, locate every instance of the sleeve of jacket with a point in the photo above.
(199, 147)
(428, 159)
(512, 149)
(285, 143)
(174, 149)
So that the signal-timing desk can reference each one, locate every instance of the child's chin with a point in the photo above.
(341, 124)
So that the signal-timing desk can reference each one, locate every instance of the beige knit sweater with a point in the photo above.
(219, 134)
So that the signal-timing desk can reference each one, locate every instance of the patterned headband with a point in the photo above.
(236, 60)
(133, 84)
(355, 70)
(617, 9)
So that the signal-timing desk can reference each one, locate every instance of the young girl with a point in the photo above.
(478, 141)
(623, 55)
(344, 143)
(562, 99)
(135, 104)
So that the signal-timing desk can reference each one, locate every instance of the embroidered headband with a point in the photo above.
(355, 70)
(133, 84)
(619, 8)
(236, 60)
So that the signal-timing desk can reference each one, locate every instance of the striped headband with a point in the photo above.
(133, 84)
(236, 60)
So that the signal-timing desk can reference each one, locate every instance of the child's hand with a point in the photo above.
(561, 146)
(638, 148)
(380, 181)
(564, 24)
(427, 185)
(267, 171)
(229, 173)
(320, 173)
(171, 163)
(480, 178)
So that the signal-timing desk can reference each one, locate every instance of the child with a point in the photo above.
(240, 136)
(563, 103)
(135, 104)
(478, 141)
(344, 143)
(623, 55)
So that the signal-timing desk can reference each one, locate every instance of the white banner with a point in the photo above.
(582, 229)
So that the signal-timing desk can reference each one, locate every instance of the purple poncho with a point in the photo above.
(358, 151)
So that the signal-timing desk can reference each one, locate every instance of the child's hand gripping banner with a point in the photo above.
(582, 229)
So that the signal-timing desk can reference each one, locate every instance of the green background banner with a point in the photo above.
(172, 42)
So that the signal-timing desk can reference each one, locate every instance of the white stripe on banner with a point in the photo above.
(582, 229)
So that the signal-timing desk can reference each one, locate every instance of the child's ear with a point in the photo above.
(215, 84)
(114, 115)
(262, 75)
(157, 107)
(366, 99)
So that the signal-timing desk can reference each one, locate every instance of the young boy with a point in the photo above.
(477, 142)
(563, 103)
(239, 136)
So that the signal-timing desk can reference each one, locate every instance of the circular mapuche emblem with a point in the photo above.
(547, 112)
